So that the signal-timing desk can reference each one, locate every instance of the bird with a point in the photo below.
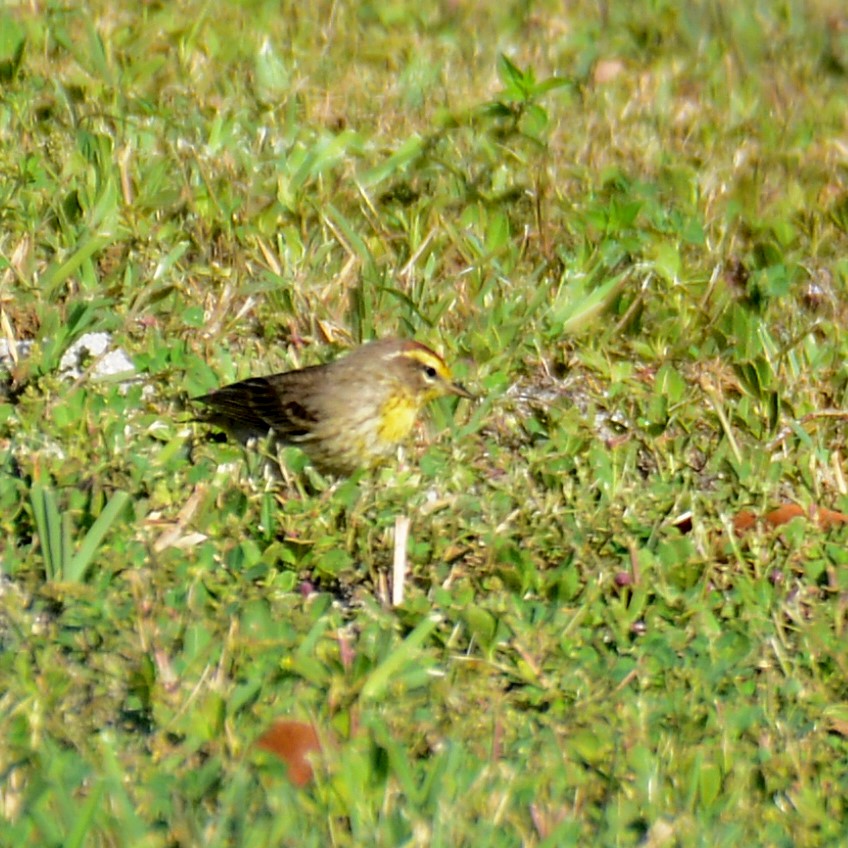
(347, 414)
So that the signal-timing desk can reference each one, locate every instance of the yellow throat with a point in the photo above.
(397, 416)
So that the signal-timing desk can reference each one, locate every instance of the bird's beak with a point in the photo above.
(460, 390)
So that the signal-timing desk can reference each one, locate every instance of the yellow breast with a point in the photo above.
(397, 419)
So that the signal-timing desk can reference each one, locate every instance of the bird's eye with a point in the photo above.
(430, 372)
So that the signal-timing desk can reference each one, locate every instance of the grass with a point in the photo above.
(626, 225)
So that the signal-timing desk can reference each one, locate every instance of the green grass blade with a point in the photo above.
(406, 154)
(66, 536)
(404, 654)
(48, 524)
(582, 312)
(348, 232)
(56, 275)
(82, 559)
(81, 830)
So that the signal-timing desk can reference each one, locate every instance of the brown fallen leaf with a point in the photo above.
(292, 741)
(784, 514)
(823, 517)
(827, 518)
(745, 520)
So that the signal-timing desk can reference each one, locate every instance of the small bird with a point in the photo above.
(346, 414)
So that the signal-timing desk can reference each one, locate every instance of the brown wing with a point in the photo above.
(252, 407)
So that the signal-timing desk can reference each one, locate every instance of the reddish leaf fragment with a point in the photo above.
(824, 518)
(827, 518)
(784, 514)
(346, 652)
(745, 520)
(292, 742)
